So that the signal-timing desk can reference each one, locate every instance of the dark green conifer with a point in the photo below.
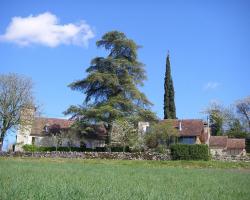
(110, 86)
(169, 103)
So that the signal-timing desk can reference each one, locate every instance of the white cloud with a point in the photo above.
(211, 85)
(44, 29)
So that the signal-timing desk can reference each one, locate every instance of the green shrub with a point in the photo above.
(160, 149)
(100, 149)
(180, 152)
(199, 152)
(29, 148)
(151, 140)
(119, 149)
(189, 152)
(33, 148)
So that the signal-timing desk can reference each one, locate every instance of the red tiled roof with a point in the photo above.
(98, 131)
(189, 127)
(236, 143)
(225, 142)
(218, 141)
(40, 122)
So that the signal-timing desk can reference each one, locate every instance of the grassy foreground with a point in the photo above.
(107, 179)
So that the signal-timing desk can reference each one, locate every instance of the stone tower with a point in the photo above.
(24, 129)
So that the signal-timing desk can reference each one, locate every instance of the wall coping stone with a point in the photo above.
(91, 155)
(115, 155)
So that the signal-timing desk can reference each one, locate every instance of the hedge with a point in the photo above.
(119, 149)
(33, 148)
(189, 152)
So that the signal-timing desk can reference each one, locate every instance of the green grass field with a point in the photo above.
(59, 179)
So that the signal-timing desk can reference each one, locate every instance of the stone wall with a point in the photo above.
(91, 155)
(115, 156)
(231, 158)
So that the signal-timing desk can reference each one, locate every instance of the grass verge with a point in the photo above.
(30, 178)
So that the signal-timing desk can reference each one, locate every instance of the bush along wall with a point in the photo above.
(189, 152)
(33, 148)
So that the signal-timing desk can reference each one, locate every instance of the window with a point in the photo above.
(187, 140)
(46, 128)
(33, 140)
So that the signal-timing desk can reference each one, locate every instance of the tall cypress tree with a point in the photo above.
(169, 104)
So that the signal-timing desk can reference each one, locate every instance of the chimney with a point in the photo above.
(208, 131)
(180, 128)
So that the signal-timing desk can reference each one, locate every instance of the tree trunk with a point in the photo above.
(108, 140)
(56, 143)
(2, 134)
(1, 143)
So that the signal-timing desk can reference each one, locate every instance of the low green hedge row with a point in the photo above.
(33, 148)
(190, 152)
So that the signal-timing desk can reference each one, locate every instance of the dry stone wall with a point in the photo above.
(115, 155)
(92, 155)
(231, 158)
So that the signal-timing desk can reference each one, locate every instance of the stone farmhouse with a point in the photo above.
(196, 131)
(222, 145)
(38, 134)
(190, 131)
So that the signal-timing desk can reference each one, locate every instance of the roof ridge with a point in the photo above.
(53, 118)
(184, 119)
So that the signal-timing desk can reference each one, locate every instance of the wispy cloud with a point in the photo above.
(44, 29)
(211, 85)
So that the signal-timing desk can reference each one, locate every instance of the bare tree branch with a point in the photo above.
(16, 102)
(243, 108)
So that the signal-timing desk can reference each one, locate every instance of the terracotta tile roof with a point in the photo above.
(189, 127)
(236, 143)
(218, 141)
(225, 142)
(40, 122)
(98, 132)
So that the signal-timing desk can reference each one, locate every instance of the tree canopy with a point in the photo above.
(111, 86)
(161, 133)
(243, 109)
(16, 102)
(229, 120)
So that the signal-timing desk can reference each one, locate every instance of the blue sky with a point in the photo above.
(208, 41)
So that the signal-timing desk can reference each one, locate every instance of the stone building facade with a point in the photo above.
(37, 133)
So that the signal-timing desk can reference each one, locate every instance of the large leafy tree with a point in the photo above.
(230, 120)
(236, 130)
(161, 134)
(110, 87)
(169, 103)
(124, 133)
(16, 103)
(243, 109)
(217, 115)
